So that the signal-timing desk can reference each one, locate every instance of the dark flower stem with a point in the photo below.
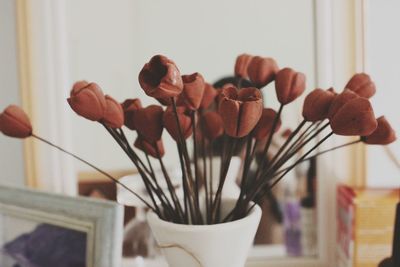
(109, 176)
(196, 168)
(159, 190)
(290, 138)
(225, 166)
(184, 152)
(270, 137)
(170, 185)
(132, 155)
(286, 172)
(321, 153)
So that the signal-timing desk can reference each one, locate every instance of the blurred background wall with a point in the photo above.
(11, 151)
(110, 43)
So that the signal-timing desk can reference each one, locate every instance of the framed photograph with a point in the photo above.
(44, 230)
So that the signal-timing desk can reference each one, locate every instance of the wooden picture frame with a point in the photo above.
(101, 220)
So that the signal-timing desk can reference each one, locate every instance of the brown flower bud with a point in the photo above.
(362, 85)
(262, 70)
(211, 124)
(114, 114)
(289, 85)
(160, 78)
(130, 106)
(150, 148)
(87, 100)
(240, 110)
(340, 100)
(149, 122)
(15, 123)
(241, 65)
(264, 125)
(383, 135)
(78, 86)
(317, 104)
(185, 122)
(209, 96)
(193, 90)
(356, 117)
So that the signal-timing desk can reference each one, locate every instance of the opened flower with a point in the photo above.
(209, 96)
(356, 117)
(15, 123)
(264, 125)
(130, 106)
(317, 104)
(241, 65)
(149, 122)
(150, 148)
(160, 78)
(193, 90)
(383, 135)
(362, 85)
(240, 110)
(262, 70)
(211, 125)
(170, 123)
(289, 85)
(114, 114)
(87, 100)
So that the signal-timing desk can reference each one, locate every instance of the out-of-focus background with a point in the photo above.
(46, 45)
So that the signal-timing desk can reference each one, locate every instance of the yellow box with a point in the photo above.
(365, 220)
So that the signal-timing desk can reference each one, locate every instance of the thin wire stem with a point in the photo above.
(109, 176)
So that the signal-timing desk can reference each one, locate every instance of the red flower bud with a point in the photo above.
(240, 110)
(209, 96)
(262, 70)
(362, 85)
(130, 106)
(289, 85)
(87, 100)
(211, 123)
(160, 78)
(193, 90)
(185, 122)
(317, 104)
(264, 125)
(340, 100)
(383, 135)
(149, 122)
(150, 148)
(241, 65)
(114, 114)
(356, 117)
(15, 123)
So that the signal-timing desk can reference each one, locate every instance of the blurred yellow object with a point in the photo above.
(365, 225)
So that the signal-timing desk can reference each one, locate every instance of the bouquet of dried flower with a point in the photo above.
(229, 116)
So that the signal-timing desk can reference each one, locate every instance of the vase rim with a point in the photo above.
(255, 212)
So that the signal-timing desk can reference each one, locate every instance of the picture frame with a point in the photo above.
(100, 220)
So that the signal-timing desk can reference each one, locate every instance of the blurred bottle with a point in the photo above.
(308, 213)
(292, 223)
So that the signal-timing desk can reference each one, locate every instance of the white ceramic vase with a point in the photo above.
(218, 245)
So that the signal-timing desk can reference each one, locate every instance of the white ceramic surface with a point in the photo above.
(219, 245)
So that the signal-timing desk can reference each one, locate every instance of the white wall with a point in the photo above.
(383, 62)
(11, 151)
(110, 43)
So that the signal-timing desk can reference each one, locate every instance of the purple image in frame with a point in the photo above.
(48, 246)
